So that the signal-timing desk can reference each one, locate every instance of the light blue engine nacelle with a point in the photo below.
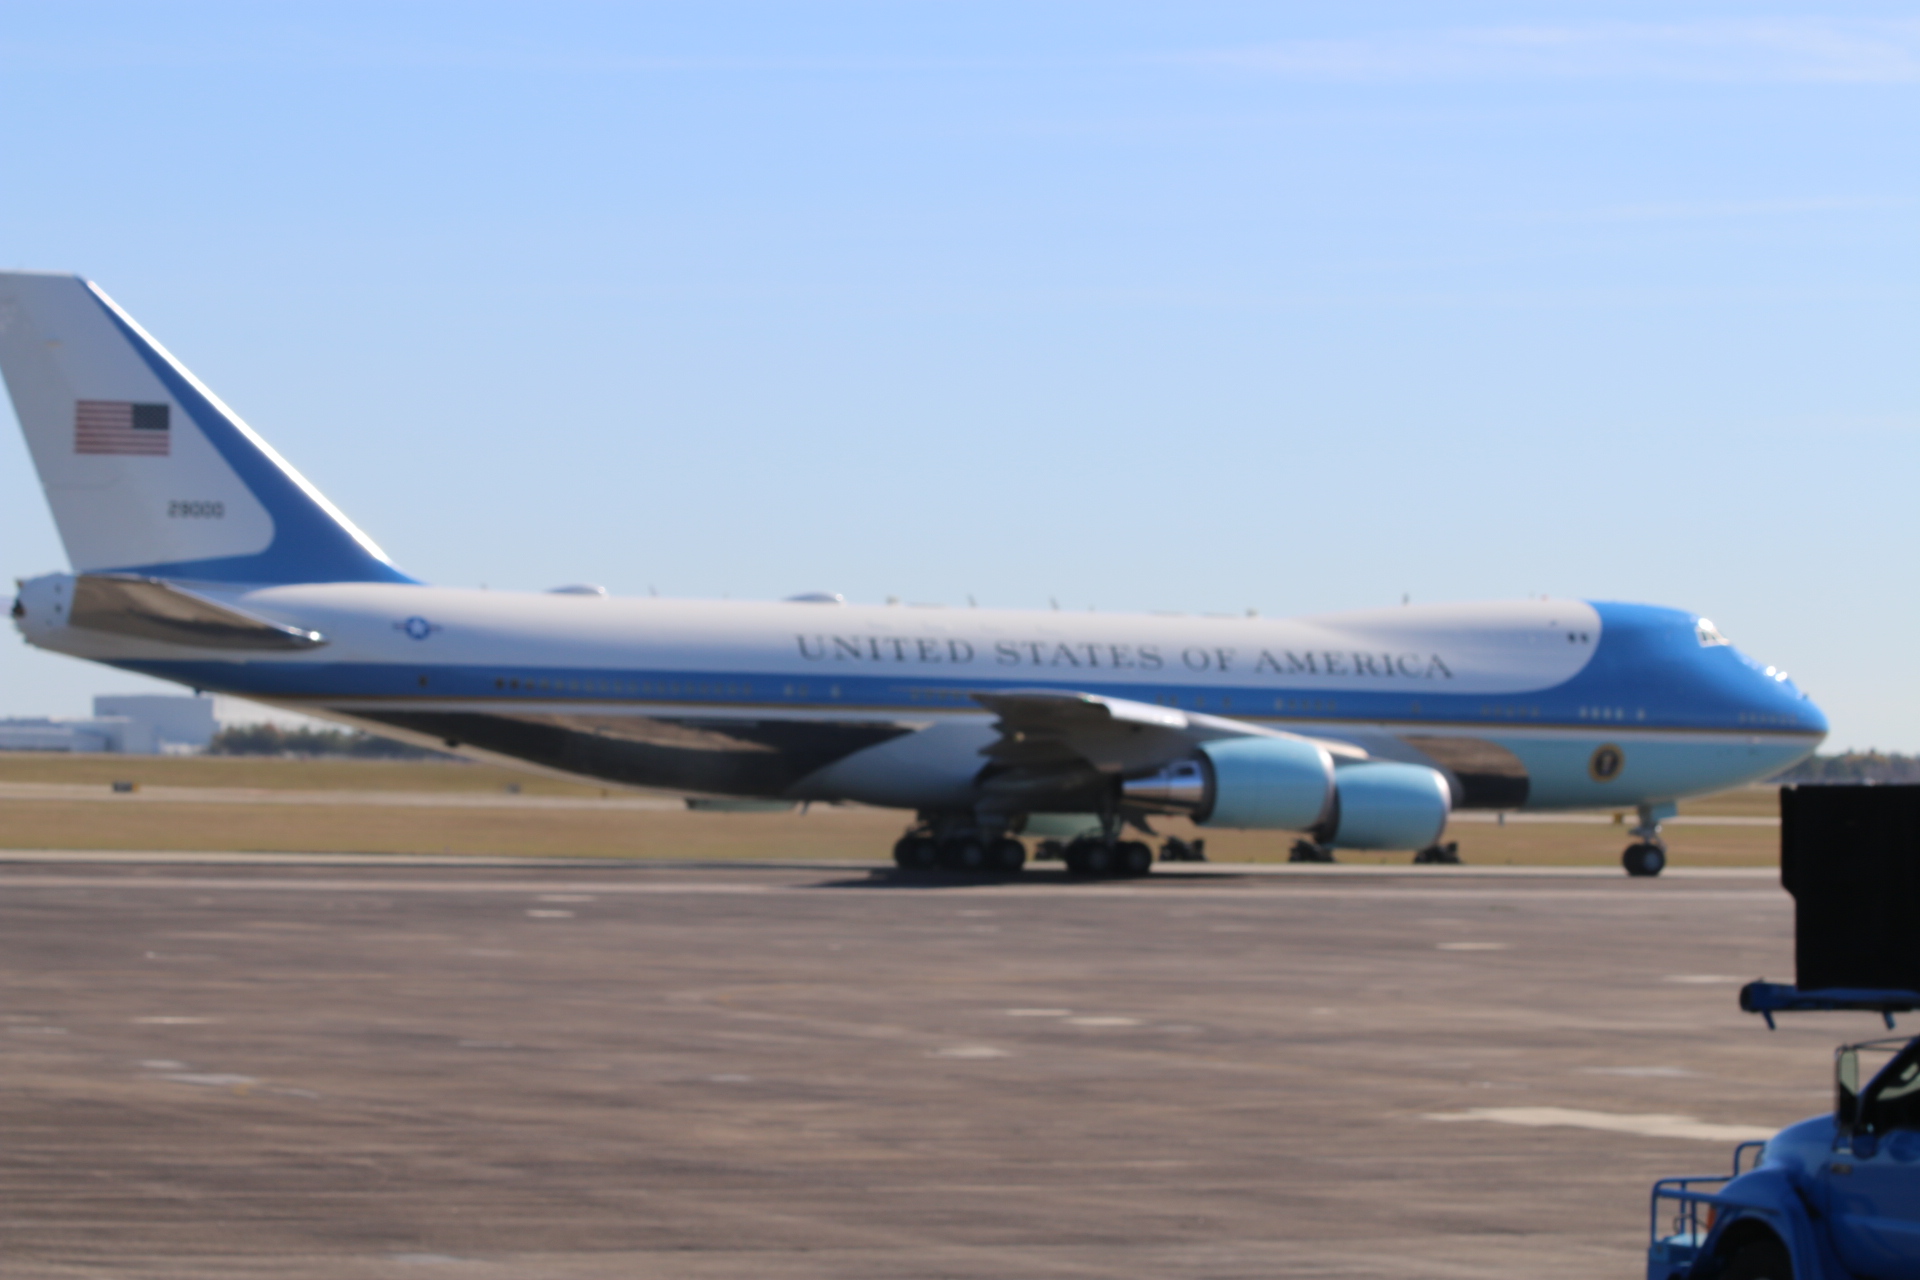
(1379, 805)
(1287, 784)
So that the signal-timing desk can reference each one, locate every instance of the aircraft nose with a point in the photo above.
(1779, 702)
(1812, 716)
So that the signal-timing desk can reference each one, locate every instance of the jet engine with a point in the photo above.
(1379, 805)
(1269, 784)
(1286, 784)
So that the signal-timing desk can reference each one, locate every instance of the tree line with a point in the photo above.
(272, 740)
(1855, 766)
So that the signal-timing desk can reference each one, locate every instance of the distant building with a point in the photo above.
(177, 721)
(137, 724)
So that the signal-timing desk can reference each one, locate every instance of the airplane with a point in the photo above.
(201, 556)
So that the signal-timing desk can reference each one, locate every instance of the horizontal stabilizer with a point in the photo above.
(149, 609)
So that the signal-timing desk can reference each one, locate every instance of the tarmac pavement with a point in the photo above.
(305, 1068)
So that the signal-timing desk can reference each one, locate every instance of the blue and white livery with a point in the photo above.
(199, 555)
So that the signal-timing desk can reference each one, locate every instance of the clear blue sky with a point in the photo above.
(1175, 306)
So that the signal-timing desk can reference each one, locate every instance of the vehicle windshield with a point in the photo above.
(1892, 1101)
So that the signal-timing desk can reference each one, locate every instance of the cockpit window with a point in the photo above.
(1709, 635)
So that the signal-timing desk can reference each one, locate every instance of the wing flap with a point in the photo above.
(1045, 728)
(1050, 728)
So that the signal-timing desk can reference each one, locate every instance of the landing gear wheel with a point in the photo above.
(965, 854)
(1308, 851)
(1644, 859)
(1178, 850)
(1007, 856)
(1759, 1260)
(1441, 855)
(1135, 858)
(915, 853)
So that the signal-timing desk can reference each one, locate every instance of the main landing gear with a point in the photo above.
(968, 852)
(1097, 856)
(1647, 856)
(1178, 850)
(1439, 855)
(967, 849)
(1310, 851)
(1434, 855)
(1092, 856)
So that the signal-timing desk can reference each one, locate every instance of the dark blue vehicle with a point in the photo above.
(1836, 1197)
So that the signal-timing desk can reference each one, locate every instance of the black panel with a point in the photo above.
(1490, 776)
(720, 757)
(1850, 856)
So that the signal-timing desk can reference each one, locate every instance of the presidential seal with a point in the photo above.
(1606, 763)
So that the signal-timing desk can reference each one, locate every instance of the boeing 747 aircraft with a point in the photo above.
(200, 556)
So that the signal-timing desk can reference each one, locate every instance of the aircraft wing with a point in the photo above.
(1049, 728)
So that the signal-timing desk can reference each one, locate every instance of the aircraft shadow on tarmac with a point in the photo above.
(896, 878)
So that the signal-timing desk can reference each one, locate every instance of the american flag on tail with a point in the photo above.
(115, 426)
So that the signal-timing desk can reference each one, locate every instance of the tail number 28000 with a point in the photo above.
(195, 509)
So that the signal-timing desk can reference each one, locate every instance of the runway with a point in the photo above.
(307, 1069)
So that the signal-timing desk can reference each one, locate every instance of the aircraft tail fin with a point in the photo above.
(146, 470)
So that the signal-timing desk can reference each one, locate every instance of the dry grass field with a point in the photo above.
(242, 804)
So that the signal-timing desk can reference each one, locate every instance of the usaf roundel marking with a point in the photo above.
(417, 627)
(1606, 763)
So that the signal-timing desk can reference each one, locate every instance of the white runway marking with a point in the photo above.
(1646, 1126)
(970, 1051)
(211, 1081)
(163, 1020)
(1103, 1022)
(1701, 979)
(549, 914)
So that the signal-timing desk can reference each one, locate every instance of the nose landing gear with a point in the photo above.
(1647, 856)
(1644, 859)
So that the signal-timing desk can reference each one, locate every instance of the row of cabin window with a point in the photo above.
(546, 684)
